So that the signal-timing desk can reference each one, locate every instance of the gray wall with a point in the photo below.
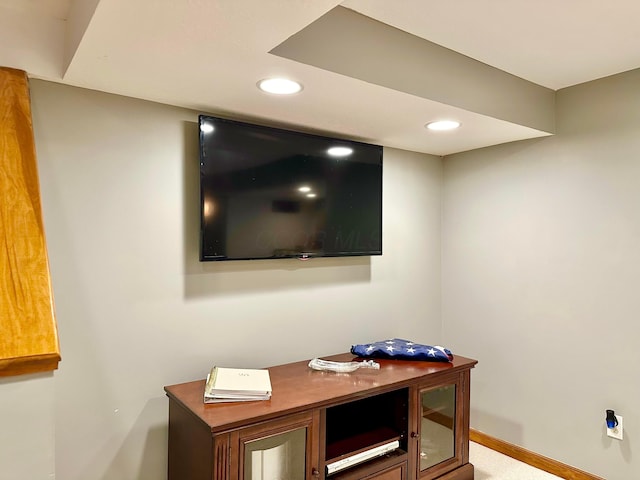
(137, 311)
(541, 268)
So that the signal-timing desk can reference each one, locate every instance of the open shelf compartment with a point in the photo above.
(366, 425)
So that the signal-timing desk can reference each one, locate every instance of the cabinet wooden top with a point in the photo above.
(296, 387)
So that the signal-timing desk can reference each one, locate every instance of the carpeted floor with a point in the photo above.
(491, 465)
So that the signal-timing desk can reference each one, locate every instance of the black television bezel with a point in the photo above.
(271, 129)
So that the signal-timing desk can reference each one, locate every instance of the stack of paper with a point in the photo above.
(237, 385)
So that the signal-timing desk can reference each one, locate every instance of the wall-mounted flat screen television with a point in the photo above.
(270, 193)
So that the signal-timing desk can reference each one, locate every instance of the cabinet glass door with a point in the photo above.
(437, 425)
(276, 457)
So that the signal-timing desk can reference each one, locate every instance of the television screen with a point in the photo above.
(273, 193)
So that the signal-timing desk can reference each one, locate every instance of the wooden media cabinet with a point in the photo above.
(409, 420)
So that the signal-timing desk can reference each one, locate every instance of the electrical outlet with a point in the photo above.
(616, 432)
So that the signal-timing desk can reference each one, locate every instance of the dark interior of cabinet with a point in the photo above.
(361, 424)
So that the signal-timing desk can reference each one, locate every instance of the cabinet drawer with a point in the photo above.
(395, 473)
(392, 466)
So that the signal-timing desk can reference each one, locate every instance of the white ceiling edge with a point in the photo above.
(354, 45)
(207, 55)
(79, 16)
(33, 43)
(551, 43)
(52, 9)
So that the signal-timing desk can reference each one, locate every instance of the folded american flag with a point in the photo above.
(400, 349)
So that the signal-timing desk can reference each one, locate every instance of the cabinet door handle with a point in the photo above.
(315, 472)
(414, 435)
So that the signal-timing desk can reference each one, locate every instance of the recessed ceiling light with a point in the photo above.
(340, 151)
(442, 125)
(311, 195)
(304, 189)
(279, 86)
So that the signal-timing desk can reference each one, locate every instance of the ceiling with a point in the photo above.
(372, 70)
